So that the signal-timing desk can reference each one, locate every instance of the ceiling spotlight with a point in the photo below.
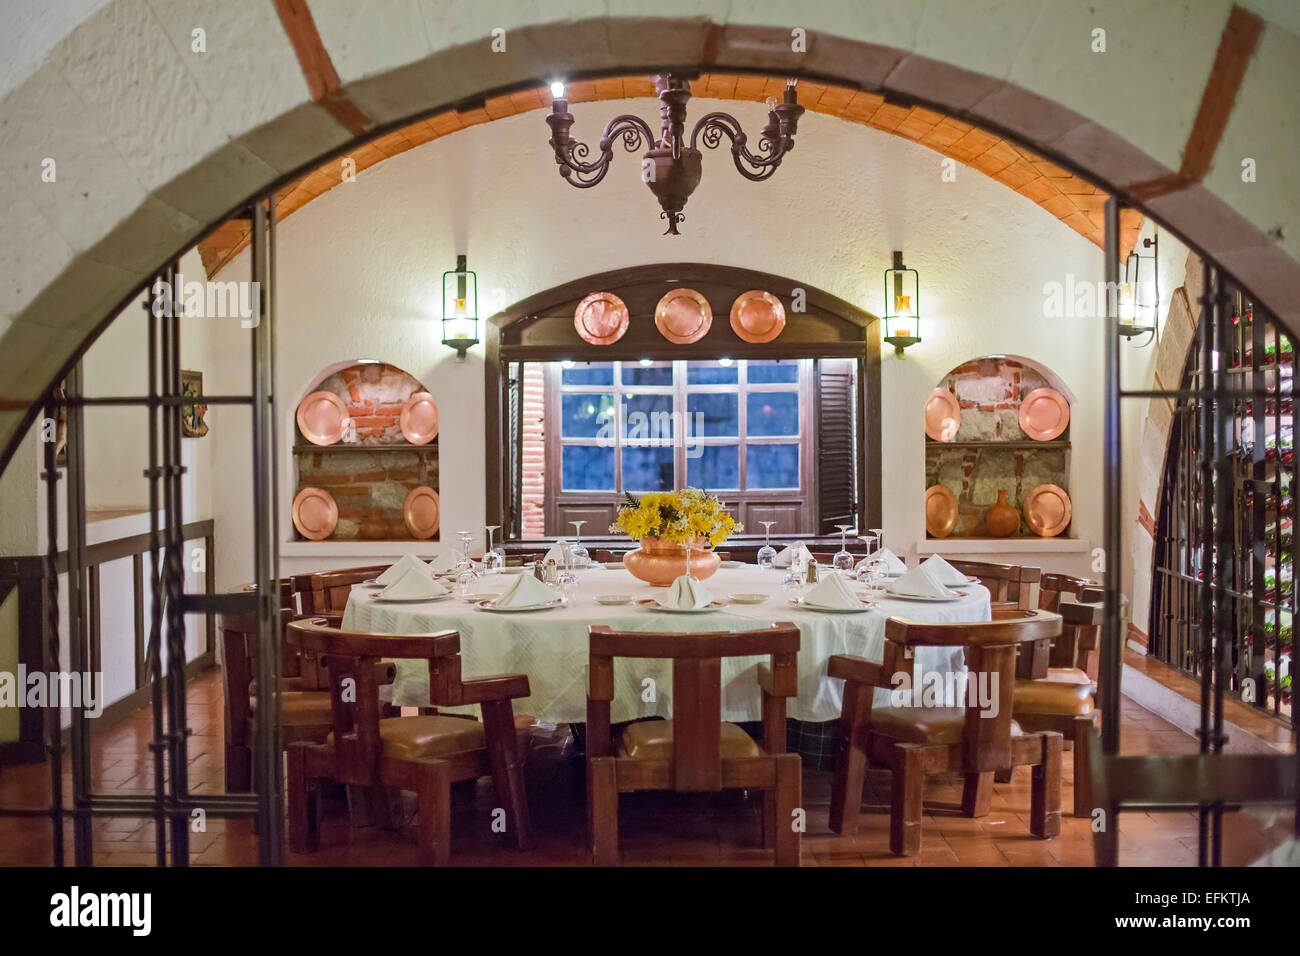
(725, 362)
(646, 363)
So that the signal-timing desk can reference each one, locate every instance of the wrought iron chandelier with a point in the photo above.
(671, 165)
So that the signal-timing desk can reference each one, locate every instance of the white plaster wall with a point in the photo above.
(359, 274)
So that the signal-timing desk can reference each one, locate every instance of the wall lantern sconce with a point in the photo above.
(460, 308)
(1139, 295)
(902, 305)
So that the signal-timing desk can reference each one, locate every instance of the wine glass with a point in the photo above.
(767, 553)
(581, 557)
(843, 561)
(493, 561)
(870, 544)
(464, 563)
(880, 536)
(567, 582)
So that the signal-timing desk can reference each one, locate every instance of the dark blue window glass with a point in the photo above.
(717, 467)
(583, 416)
(713, 414)
(772, 413)
(588, 468)
(597, 373)
(711, 373)
(767, 371)
(647, 469)
(636, 374)
(647, 417)
(772, 466)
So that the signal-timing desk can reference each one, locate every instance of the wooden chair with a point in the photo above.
(1009, 585)
(916, 741)
(330, 589)
(1063, 701)
(696, 750)
(423, 754)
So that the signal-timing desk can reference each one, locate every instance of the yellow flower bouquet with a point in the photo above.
(678, 517)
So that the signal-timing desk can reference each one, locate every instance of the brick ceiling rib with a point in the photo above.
(1070, 199)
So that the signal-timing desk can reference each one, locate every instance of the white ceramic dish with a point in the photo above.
(612, 600)
(732, 564)
(800, 602)
(956, 596)
(379, 599)
(614, 565)
(749, 598)
(654, 605)
(490, 605)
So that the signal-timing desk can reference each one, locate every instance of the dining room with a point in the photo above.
(748, 505)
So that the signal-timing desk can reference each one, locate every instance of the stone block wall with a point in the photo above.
(989, 391)
(368, 477)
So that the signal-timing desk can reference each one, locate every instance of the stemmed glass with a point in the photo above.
(865, 567)
(880, 536)
(843, 561)
(767, 553)
(579, 554)
(465, 563)
(493, 560)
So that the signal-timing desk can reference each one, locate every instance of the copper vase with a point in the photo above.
(659, 562)
(1001, 520)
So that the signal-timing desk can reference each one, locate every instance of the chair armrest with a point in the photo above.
(495, 687)
(1085, 615)
(857, 669)
(783, 683)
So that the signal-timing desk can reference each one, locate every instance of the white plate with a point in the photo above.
(654, 605)
(614, 565)
(372, 584)
(490, 605)
(613, 600)
(749, 598)
(800, 602)
(732, 564)
(377, 599)
(956, 596)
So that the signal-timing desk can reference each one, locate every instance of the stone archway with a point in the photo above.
(147, 168)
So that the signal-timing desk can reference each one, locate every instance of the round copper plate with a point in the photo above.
(421, 512)
(942, 415)
(757, 316)
(1048, 510)
(601, 318)
(322, 418)
(1044, 414)
(419, 419)
(940, 511)
(683, 316)
(315, 513)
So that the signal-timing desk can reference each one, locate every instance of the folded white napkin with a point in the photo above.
(525, 591)
(413, 585)
(786, 555)
(686, 592)
(832, 591)
(443, 563)
(944, 572)
(919, 582)
(893, 563)
(409, 562)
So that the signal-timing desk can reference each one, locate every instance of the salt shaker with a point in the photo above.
(552, 573)
(812, 571)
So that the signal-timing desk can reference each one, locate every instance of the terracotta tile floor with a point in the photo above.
(657, 829)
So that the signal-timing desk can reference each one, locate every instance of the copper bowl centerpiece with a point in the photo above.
(676, 531)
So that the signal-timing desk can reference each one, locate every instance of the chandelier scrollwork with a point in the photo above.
(671, 165)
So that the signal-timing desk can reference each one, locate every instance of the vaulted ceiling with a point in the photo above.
(1077, 203)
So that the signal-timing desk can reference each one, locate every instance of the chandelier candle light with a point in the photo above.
(674, 530)
(671, 165)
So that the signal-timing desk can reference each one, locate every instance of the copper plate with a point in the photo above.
(419, 419)
(601, 318)
(322, 418)
(1044, 414)
(757, 316)
(940, 511)
(315, 513)
(1048, 510)
(683, 316)
(421, 512)
(942, 415)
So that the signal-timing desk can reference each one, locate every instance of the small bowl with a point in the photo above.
(613, 599)
(749, 598)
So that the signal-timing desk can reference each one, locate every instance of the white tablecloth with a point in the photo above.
(551, 646)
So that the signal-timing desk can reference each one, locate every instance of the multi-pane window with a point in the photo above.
(725, 426)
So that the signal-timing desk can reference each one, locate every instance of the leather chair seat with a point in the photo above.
(653, 740)
(1053, 697)
(923, 725)
(1071, 675)
(300, 708)
(411, 738)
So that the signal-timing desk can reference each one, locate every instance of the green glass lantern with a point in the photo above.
(459, 308)
(902, 305)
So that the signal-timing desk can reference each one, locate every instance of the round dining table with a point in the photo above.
(550, 646)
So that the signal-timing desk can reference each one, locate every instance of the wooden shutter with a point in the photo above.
(513, 386)
(834, 389)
